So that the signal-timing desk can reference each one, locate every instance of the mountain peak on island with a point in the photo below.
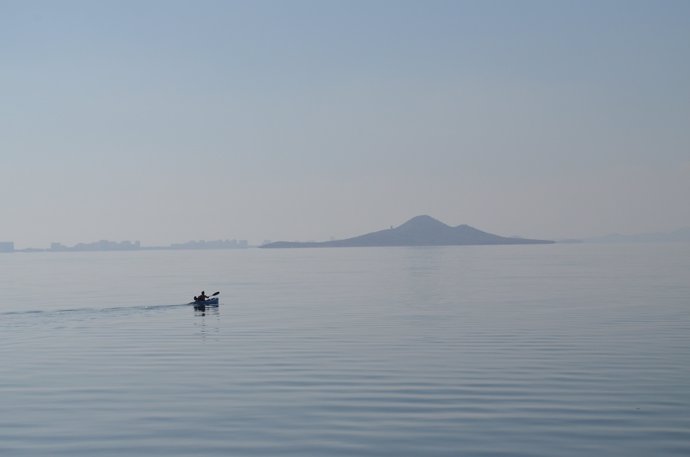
(422, 222)
(421, 230)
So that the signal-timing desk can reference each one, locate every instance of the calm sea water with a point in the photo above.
(564, 350)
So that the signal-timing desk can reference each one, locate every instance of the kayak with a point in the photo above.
(209, 302)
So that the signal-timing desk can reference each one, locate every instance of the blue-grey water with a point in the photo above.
(564, 350)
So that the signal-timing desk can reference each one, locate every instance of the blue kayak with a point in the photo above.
(209, 302)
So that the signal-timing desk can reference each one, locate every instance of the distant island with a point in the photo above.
(418, 231)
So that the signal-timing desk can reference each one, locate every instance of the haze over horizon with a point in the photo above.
(172, 121)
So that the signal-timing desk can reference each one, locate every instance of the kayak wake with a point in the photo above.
(111, 309)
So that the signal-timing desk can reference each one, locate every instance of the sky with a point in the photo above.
(168, 121)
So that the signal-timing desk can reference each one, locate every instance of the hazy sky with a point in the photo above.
(166, 121)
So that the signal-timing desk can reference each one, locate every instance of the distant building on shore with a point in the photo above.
(103, 245)
(6, 246)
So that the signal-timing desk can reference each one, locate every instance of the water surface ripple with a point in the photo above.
(478, 351)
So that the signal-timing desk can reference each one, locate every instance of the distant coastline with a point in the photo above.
(109, 246)
(418, 231)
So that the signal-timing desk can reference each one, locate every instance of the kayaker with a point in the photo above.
(201, 297)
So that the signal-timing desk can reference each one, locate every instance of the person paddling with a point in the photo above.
(202, 297)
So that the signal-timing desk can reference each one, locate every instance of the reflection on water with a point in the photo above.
(204, 310)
